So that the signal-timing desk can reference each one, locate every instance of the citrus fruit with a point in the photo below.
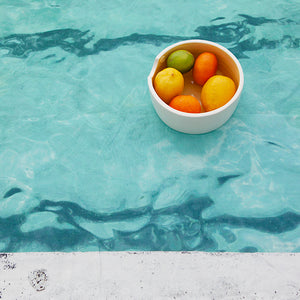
(168, 83)
(205, 66)
(181, 60)
(186, 103)
(217, 91)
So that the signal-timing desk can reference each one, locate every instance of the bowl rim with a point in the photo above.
(202, 114)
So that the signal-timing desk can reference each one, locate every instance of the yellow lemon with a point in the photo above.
(168, 83)
(217, 91)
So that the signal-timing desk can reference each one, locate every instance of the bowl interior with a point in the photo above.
(226, 64)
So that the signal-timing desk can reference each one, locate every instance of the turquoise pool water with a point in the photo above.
(86, 164)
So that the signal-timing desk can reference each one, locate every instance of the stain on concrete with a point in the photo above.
(6, 263)
(38, 279)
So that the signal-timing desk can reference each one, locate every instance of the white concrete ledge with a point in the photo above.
(149, 275)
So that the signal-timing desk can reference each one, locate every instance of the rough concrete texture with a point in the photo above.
(149, 275)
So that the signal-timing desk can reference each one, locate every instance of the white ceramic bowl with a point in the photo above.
(228, 65)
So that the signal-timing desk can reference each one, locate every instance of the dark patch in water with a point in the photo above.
(49, 56)
(60, 60)
(223, 33)
(228, 235)
(69, 210)
(198, 175)
(186, 229)
(193, 207)
(217, 19)
(249, 249)
(279, 224)
(151, 236)
(12, 192)
(257, 21)
(238, 34)
(224, 179)
(274, 144)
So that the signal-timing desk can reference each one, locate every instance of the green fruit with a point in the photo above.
(181, 60)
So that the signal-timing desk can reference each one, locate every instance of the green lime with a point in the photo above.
(181, 60)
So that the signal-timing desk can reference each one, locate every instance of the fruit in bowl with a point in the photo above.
(181, 60)
(186, 103)
(168, 83)
(216, 90)
(205, 66)
(218, 94)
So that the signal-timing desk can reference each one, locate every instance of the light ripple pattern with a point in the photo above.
(85, 163)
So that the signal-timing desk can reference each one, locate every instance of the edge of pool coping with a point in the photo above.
(149, 275)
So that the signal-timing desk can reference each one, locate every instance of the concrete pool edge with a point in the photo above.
(149, 275)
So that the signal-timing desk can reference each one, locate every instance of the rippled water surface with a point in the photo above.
(86, 164)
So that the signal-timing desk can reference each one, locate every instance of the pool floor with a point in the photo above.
(86, 164)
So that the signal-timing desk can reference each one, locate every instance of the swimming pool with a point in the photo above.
(85, 163)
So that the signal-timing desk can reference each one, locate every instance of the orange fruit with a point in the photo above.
(217, 91)
(186, 103)
(168, 83)
(205, 66)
